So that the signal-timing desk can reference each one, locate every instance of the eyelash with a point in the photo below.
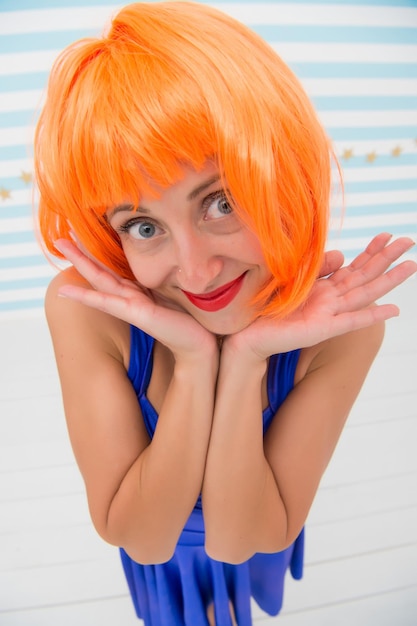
(216, 195)
(124, 228)
(207, 201)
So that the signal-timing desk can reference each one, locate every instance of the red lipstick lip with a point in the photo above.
(217, 299)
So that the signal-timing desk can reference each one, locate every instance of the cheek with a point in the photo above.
(147, 272)
(251, 247)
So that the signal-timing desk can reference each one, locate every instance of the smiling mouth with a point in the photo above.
(217, 299)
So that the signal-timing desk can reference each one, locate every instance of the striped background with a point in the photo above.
(357, 60)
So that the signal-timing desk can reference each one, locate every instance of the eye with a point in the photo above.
(140, 229)
(217, 205)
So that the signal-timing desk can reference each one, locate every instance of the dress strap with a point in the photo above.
(280, 381)
(140, 360)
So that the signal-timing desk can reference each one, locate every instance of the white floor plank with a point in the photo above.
(113, 611)
(395, 607)
(365, 497)
(350, 578)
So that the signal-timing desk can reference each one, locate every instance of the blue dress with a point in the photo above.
(178, 592)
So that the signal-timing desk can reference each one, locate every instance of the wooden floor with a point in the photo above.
(361, 559)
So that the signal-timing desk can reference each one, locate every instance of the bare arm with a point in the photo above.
(257, 493)
(140, 493)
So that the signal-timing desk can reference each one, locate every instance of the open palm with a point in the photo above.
(126, 300)
(340, 302)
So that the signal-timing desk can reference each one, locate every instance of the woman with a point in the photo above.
(209, 351)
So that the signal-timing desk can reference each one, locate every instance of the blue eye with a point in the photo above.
(140, 229)
(217, 205)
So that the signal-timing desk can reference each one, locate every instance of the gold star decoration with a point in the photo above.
(347, 154)
(26, 177)
(4, 193)
(371, 156)
(396, 152)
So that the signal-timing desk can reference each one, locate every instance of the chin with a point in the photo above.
(229, 325)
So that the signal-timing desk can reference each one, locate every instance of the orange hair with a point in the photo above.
(176, 83)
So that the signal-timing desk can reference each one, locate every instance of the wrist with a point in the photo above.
(192, 363)
(238, 354)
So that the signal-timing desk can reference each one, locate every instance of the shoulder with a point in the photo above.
(73, 323)
(354, 351)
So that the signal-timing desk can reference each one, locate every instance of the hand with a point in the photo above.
(338, 303)
(124, 299)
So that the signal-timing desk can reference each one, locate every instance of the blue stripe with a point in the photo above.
(364, 103)
(14, 183)
(26, 283)
(42, 41)
(18, 82)
(22, 305)
(276, 33)
(20, 151)
(23, 261)
(16, 5)
(363, 186)
(380, 209)
(355, 70)
(23, 210)
(26, 236)
(273, 33)
(8, 119)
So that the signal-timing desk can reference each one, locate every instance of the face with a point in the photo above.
(191, 250)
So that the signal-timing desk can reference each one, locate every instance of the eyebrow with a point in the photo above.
(194, 193)
(198, 190)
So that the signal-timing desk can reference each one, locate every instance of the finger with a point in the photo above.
(100, 277)
(76, 253)
(378, 261)
(376, 245)
(333, 260)
(364, 295)
(364, 318)
(136, 311)
(177, 330)
(87, 253)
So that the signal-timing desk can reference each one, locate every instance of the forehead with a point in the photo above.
(190, 184)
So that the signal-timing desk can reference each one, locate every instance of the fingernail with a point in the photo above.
(57, 245)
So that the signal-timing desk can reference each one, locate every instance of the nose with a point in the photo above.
(197, 264)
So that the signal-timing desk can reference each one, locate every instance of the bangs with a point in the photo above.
(121, 139)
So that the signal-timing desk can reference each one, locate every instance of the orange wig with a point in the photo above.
(175, 83)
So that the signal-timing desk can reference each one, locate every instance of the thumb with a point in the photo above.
(333, 260)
